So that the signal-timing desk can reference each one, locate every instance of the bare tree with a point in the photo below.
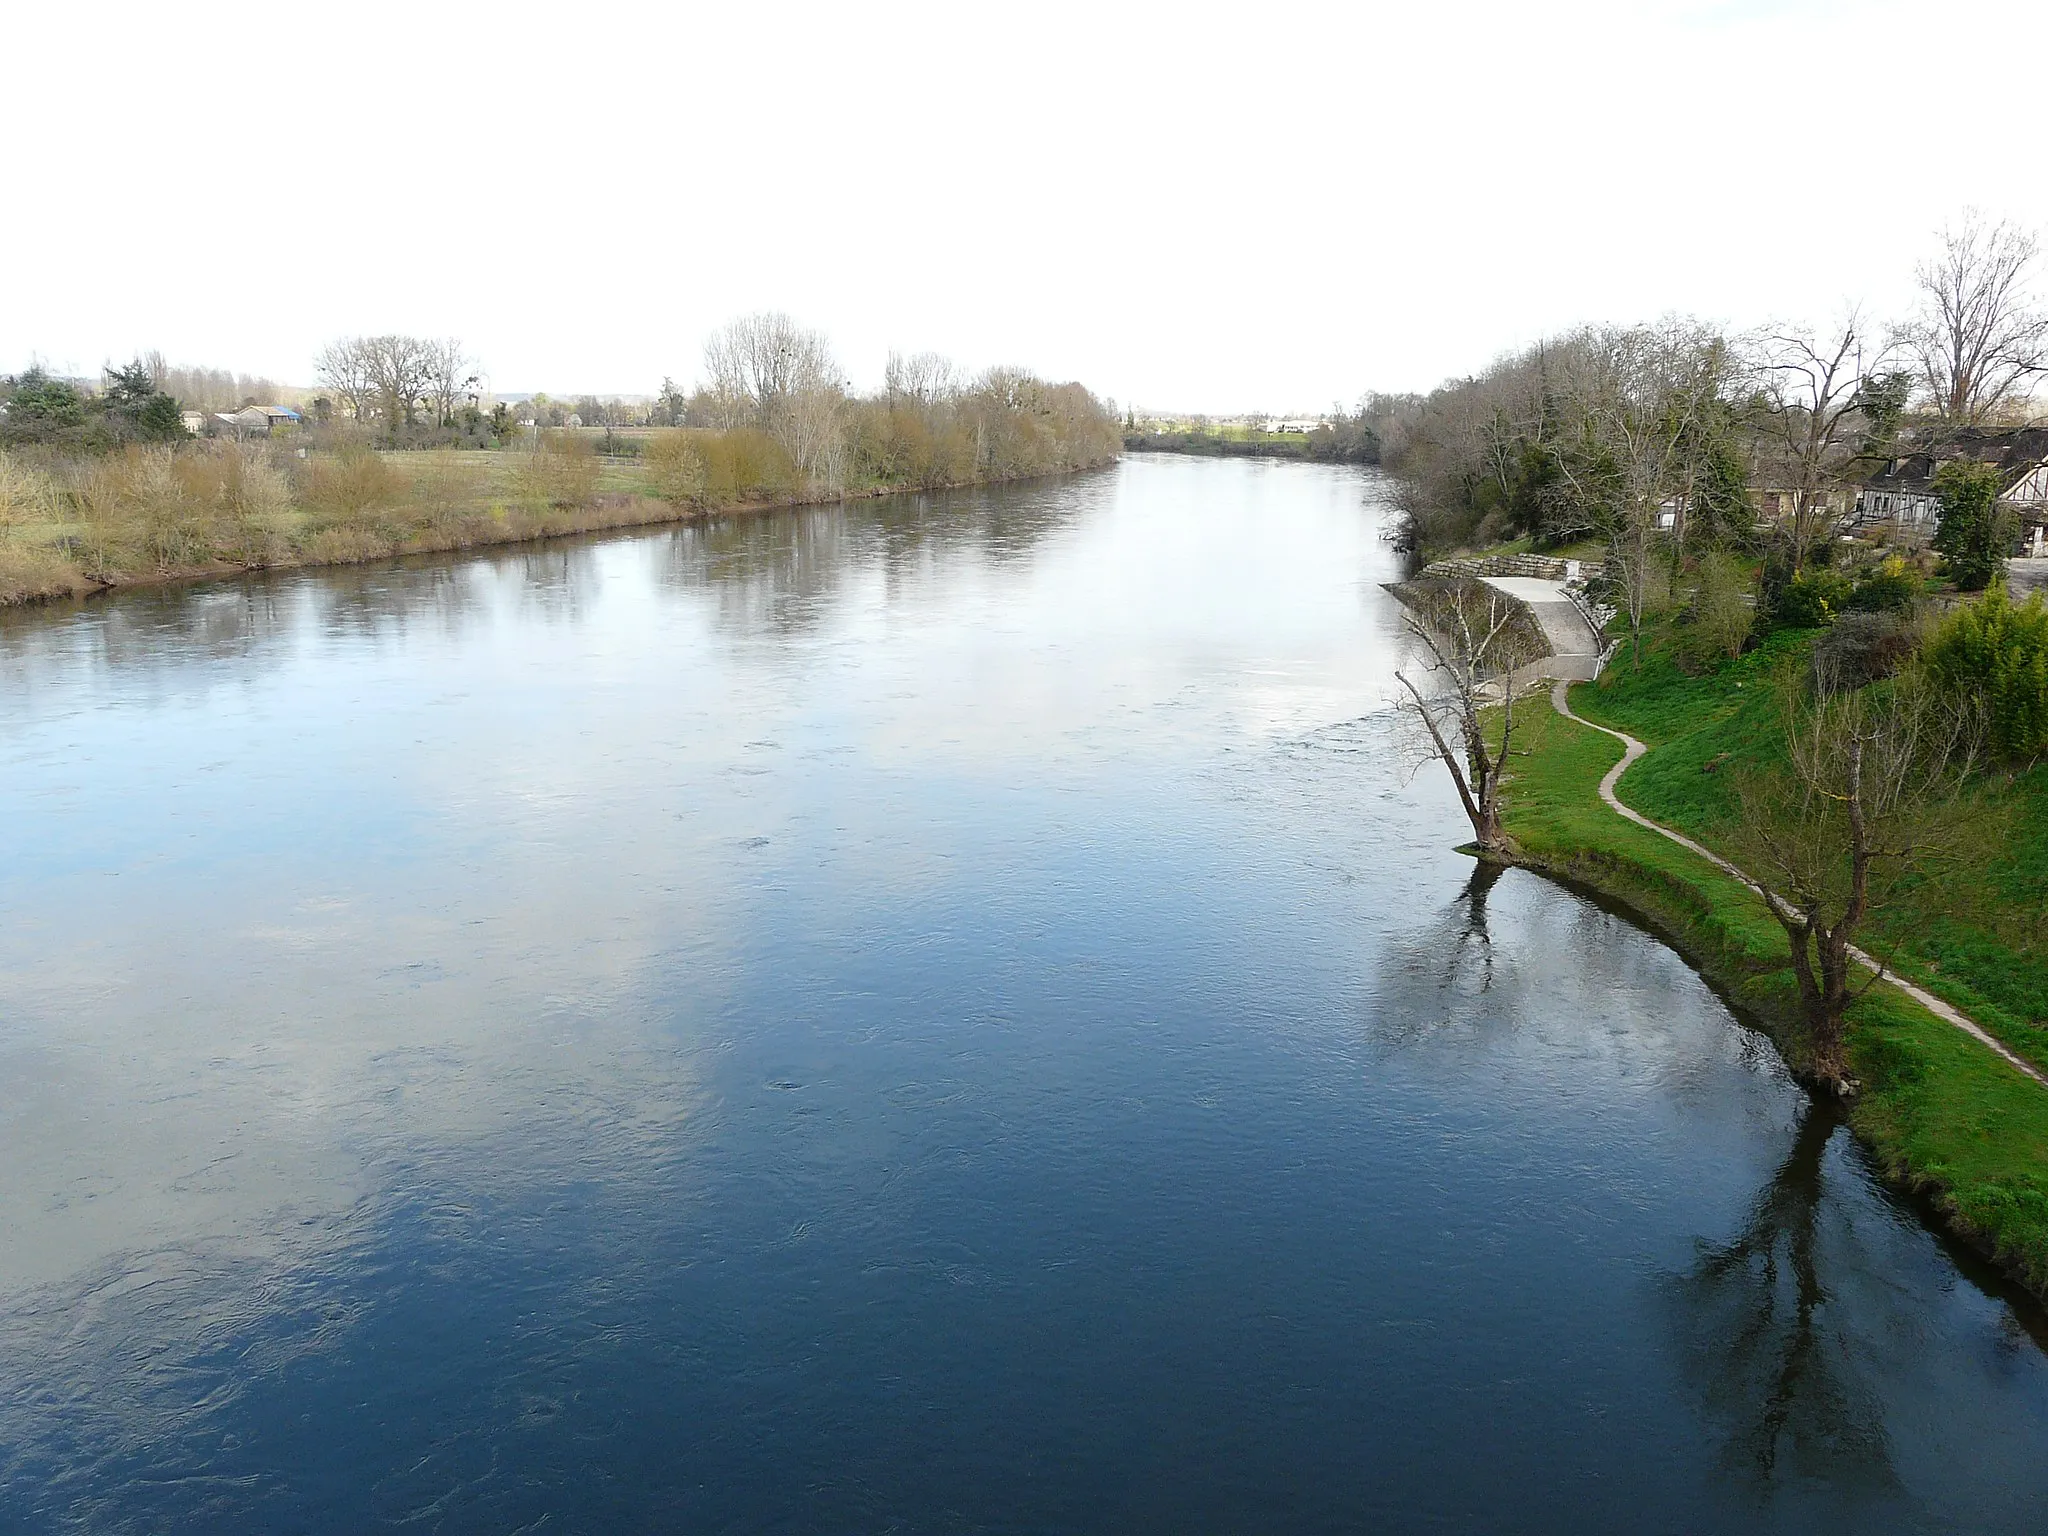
(1870, 794)
(214, 389)
(1821, 401)
(401, 367)
(756, 364)
(925, 377)
(1644, 399)
(1472, 638)
(343, 370)
(450, 373)
(1980, 336)
(383, 375)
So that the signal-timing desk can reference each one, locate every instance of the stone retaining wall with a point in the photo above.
(1542, 567)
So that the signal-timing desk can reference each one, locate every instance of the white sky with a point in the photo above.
(1185, 206)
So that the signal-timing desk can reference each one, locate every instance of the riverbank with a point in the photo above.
(428, 517)
(1943, 1116)
(1322, 446)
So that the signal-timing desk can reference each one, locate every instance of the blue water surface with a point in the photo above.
(938, 1014)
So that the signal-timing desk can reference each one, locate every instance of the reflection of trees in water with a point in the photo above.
(778, 572)
(1450, 953)
(773, 573)
(1775, 1374)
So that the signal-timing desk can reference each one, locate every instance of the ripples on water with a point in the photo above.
(940, 1014)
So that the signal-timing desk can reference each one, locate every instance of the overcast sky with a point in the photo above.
(1184, 206)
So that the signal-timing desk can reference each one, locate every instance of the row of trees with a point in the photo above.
(1594, 433)
(777, 385)
(390, 380)
(130, 406)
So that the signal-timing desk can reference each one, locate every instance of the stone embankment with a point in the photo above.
(1553, 594)
(1535, 567)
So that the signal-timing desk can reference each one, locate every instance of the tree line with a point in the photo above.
(101, 486)
(1900, 702)
(1617, 433)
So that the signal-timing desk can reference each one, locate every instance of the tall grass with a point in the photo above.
(153, 511)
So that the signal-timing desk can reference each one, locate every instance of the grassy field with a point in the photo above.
(1942, 1114)
(75, 525)
(1970, 931)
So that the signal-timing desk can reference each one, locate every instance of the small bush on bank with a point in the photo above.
(560, 471)
(744, 465)
(29, 571)
(1717, 621)
(1812, 599)
(1996, 652)
(349, 484)
(1892, 586)
(1861, 648)
(27, 495)
(676, 469)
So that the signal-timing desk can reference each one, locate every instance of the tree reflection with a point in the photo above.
(1450, 954)
(1775, 1373)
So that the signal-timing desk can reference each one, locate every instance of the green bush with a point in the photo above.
(1892, 587)
(1997, 653)
(1812, 598)
(1974, 530)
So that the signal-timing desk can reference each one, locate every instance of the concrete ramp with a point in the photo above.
(1575, 645)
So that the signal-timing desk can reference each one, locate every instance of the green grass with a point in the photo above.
(1971, 931)
(1942, 1113)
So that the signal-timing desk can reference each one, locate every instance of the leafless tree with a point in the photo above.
(1820, 399)
(1980, 336)
(1472, 639)
(1870, 794)
(388, 375)
(213, 389)
(451, 373)
(402, 369)
(343, 370)
(925, 377)
(757, 363)
(1643, 399)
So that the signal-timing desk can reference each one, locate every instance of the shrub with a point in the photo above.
(1893, 586)
(28, 571)
(1996, 652)
(676, 468)
(27, 495)
(1860, 648)
(447, 489)
(744, 464)
(559, 471)
(347, 485)
(1812, 599)
(1718, 619)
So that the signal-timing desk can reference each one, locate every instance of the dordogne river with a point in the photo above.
(937, 1014)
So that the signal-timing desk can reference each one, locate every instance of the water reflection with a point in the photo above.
(901, 1015)
(1777, 1369)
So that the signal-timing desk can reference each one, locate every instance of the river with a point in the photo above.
(939, 1014)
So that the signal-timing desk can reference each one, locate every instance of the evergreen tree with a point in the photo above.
(1974, 530)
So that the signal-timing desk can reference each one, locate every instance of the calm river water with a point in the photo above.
(936, 1015)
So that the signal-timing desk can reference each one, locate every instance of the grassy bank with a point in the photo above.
(154, 514)
(1942, 1114)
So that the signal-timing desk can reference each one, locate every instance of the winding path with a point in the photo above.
(1633, 749)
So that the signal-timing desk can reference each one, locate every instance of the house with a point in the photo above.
(258, 418)
(1900, 498)
(195, 421)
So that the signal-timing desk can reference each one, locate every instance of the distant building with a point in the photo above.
(259, 419)
(1900, 498)
(195, 421)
